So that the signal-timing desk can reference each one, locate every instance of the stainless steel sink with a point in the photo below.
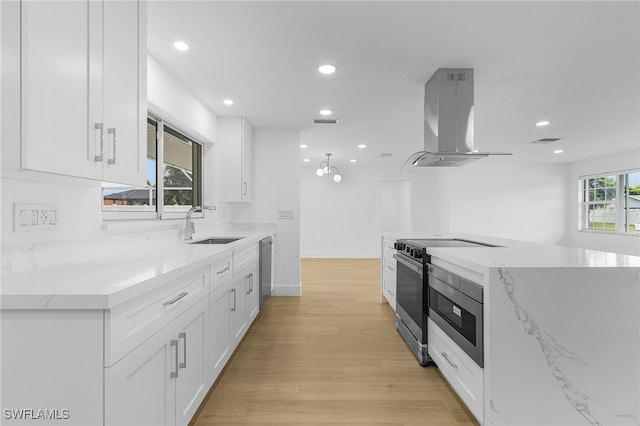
(217, 240)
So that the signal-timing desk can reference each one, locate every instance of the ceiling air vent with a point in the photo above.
(546, 140)
(325, 121)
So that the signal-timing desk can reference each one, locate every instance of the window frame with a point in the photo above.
(160, 213)
(620, 204)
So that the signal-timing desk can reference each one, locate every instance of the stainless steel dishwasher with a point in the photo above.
(265, 269)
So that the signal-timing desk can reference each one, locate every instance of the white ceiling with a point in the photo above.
(574, 63)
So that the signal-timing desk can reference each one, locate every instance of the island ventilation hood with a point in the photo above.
(448, 122)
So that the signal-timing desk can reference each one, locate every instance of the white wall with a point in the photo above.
(625, 244)
(276, 186)
(509, 199)
(168, 97)
(340, 219)
(489, 197)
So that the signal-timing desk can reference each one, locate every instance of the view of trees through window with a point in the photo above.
(181, 175)
(611, 203)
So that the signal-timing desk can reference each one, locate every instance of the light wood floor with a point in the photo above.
(330, 357)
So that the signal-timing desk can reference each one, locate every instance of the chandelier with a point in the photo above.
(326, 169)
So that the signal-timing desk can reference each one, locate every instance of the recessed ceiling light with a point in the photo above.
(353, 160)
(327, 69)
(228, 102)
(181, 46)
(303, 145)
(558, 151)
(306, 160)
(543, 123)
(326, 112)
(362, 146)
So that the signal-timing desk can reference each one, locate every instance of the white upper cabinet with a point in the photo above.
(83, 89)
(233, 153)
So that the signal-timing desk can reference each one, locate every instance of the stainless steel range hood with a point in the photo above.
(448, 122)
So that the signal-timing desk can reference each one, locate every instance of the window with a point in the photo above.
(178, 181)
(611, 203)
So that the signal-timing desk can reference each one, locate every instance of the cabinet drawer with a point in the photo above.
(244, 258)
(388, 245)
(128, 325)
(220, 273)
(389, 288)
(389, 264)
(462, 373)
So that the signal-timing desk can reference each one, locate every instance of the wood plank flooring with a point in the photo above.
(330, 357)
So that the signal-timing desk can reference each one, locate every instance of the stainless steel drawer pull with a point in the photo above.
(183, 336)
(98, 158)
(222, 271)
(112, 131)
(453, 364)
(175, 299)
(233, 290)
(174, 374)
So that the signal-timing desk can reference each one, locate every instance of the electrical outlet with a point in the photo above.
(35, 217)
(285, 214)
(43, 217)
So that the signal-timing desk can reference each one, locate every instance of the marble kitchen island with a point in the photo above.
(561, 332)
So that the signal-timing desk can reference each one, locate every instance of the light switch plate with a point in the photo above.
(35, 217)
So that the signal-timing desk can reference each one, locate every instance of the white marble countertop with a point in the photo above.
(523, 254)
(102, 274)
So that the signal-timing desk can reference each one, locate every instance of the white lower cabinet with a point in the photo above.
(220, 303)
(234, 304)
(144, 377)
(150, 360)
(164, 380)
(252, 289)
(463, 374)
(388, 275)
(238, 317)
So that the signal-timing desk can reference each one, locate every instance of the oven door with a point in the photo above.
(411, 296)
(459, 316)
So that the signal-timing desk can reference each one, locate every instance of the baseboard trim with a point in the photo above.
(286, 290)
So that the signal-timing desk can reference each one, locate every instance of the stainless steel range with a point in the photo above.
(412, 292)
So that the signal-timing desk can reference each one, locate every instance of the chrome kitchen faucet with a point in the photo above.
(190, 227)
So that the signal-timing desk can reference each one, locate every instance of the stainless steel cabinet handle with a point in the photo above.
(453, 364)
(174, 374)
(222, 271)
(98, 158)
(182, 335)
(250, 283)
(112, 131)
(175, 299)
(233, 290)
(245, 188)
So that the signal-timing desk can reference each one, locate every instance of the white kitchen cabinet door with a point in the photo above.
(234, 164)
(83, 90)
(139, 389)
(192, 383)
(124, 97)
(220, 302)
(247, 161)
(253, 295)
(59, 70)
(238, 317)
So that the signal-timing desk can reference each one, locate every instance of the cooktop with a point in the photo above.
(435, 242)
